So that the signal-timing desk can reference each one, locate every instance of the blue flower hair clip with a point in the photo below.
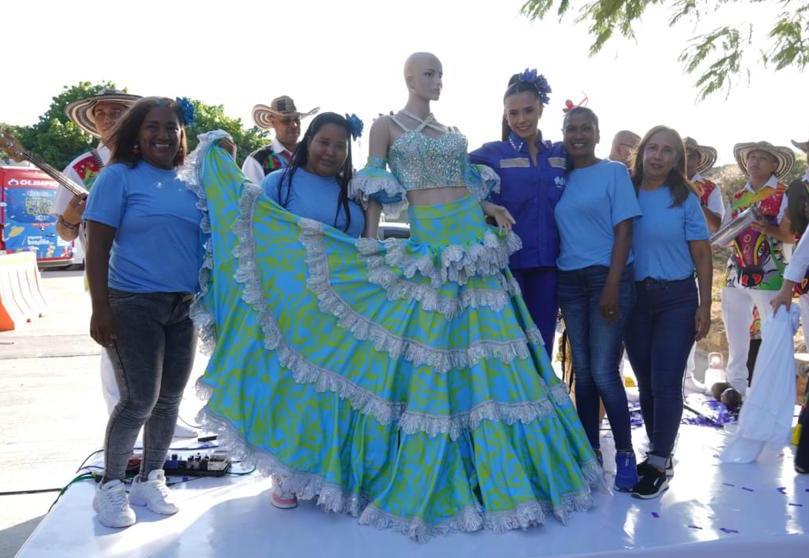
(187, 110)
(538, 81)
(355, 124)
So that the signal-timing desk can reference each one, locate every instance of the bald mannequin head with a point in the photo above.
(623, 144)
(423, 74)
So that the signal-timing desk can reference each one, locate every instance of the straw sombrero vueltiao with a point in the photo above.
(707, 155)
(802, 145)
(81, 111)
(280, 106)
(784, 155)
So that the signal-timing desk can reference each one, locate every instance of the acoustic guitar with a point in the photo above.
(12, 147)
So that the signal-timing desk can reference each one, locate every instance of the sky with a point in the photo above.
(347, 56)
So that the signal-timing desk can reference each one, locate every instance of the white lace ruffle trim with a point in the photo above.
(331, 497)
(361, 188)
(399, 288)
(457, 263)
(397, 346)
(322, 379)
(190, 173)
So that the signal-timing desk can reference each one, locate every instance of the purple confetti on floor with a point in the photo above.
(748, 489)
(782, 490)
(798, 505)
(694, 527)
(726, 530)
(656, 515)
(728, 484)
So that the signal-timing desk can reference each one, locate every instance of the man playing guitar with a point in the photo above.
(95, 115)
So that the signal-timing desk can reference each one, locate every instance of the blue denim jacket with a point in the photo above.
(530, 193)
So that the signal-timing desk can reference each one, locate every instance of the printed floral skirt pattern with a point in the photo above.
(402, 382)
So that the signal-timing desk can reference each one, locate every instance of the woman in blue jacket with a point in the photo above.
(532, 175)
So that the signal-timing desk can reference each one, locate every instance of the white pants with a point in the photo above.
(691, 363)
(803, 304)
(109, 387)
(737, 315)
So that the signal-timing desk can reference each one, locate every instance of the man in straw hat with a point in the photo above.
(756, 265)
(95, 115)
(701, 158)
(283, 117)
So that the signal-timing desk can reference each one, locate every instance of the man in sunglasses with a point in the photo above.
(283, 117)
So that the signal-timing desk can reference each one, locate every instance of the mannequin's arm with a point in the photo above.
(379, 140)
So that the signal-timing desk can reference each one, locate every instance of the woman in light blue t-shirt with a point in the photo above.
(595, 289)
(315, 184)
(670, 241)
(143, 262)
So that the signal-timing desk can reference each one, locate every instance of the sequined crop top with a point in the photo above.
(418, 162)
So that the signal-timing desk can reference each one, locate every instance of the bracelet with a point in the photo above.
(68, 225)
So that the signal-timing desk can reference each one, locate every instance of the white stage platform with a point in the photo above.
(712, 509)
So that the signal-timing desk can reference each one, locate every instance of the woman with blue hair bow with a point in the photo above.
(401, 381)
(532, 174)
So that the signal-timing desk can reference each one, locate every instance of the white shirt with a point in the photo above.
(63, 195)
(799, 262)
(253, 170)
(715, 203)
(799, 256)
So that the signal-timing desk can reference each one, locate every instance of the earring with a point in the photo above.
(136, 148)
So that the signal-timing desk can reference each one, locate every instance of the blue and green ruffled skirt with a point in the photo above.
(402, 382)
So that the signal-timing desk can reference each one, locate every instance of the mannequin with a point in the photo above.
(423, 74)
(402, 381)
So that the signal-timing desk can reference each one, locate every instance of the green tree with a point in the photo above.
(213, 117)
(54, 137)
(58, 140)
(718, 55)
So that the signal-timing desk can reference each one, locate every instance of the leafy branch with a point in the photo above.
(718, 56)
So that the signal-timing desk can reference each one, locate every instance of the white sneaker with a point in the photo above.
(112, 505)
(282, 500)
(153, 493)
(183, 431)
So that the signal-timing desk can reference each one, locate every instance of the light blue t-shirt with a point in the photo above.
(158, 242)
(661, 235)
(596, 198)
(314, 197)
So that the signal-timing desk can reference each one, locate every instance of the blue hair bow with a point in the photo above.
(355, 124)
(187, 110)
(537, 80)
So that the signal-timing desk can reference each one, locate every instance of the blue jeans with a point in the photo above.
(152, 358)
(596, 349)
(659, 336)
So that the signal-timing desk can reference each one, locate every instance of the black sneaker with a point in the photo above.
(644, 468)
(651, 485)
